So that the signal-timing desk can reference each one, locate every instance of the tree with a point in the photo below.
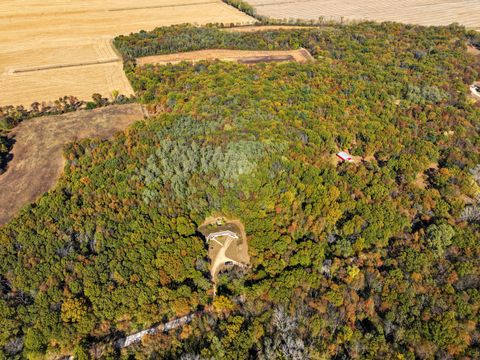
(73, 309)
(439, 237)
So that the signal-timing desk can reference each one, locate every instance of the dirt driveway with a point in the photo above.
(221, 257)
(38, 151)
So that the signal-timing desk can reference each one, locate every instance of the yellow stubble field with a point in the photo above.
(58, 47)
(421, 12)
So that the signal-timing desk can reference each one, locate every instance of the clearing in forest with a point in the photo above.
(240, 56)
(65, 46)
(421, 12)
(38, 151)
(227, 244)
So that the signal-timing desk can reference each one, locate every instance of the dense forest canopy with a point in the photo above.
(379, 258)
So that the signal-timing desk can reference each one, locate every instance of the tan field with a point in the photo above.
(39, 36)
(243, 56)
(422, 12)
(82, 82)
(38, 151)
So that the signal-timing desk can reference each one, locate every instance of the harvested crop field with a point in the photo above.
(241, 56)
(38, 151)
(81, 81)
(44, 36)
(422, 12)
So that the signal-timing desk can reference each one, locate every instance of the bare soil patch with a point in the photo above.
(38, 151)
(245, 56)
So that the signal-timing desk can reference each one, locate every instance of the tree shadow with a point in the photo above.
(6, 146)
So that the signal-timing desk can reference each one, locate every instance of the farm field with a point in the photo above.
(246, 56)
(40, 36)
(37, 155)
(422, 12)
(80, 81)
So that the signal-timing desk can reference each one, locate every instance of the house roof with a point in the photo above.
(343, 155)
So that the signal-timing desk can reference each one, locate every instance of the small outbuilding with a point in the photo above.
(344, 156)
(475, 89)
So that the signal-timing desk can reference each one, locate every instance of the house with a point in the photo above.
(344, 156)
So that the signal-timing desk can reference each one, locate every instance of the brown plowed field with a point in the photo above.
(422, 12)
(38, 151)
(244, 56)
(37, 34)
